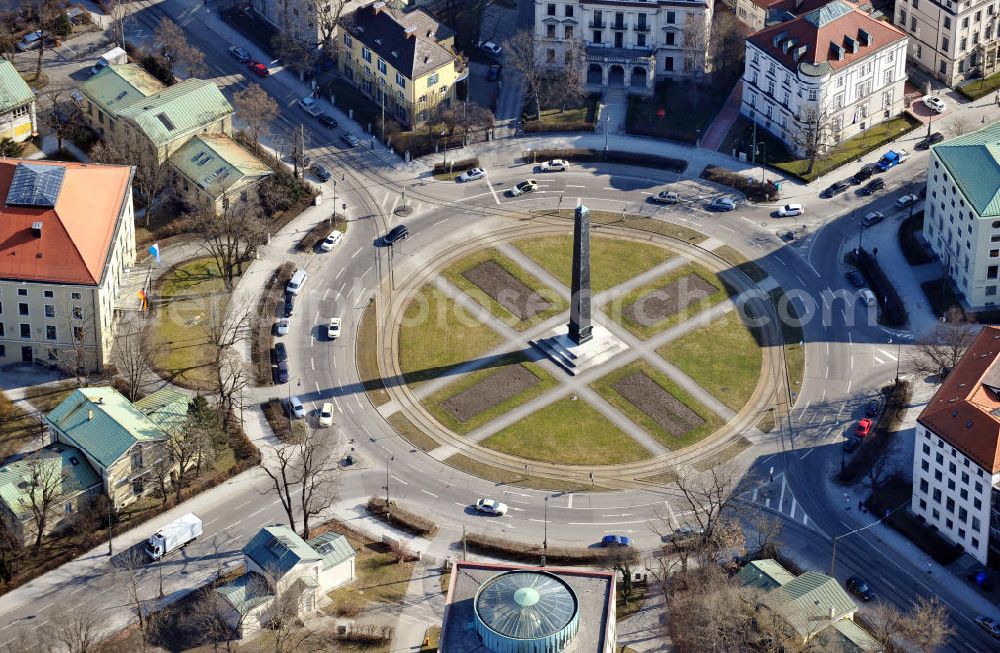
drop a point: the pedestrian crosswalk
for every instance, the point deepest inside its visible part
(776, 495)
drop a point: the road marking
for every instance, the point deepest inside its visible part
(235, 523)
(365, 274)
(326, 294)
(398, 480)
(356, 252)
(258, 512)
(312, 364)
(466, 506)
(891, 356)
(753, 497)
(439, 222)
(611, 523)
(316, 383)
(811, 449)
(46, 606)
(569, 501)
(781, 498)
(622, 514)
(335, 401)
(795, 505)
(540, 521)
(494, 192)
(430, 493)
(245, 503)
(575, 186)
(778, 259)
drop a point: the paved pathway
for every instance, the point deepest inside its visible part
(716, 132)
(614, 106)
(645, 631)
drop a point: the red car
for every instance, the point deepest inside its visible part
(864, 427)
(258, 68)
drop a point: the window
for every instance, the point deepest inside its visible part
(935, 513)
(550, 31)
(949, 504)
(975, 523)
(923, 505)
(965, 23)
(137, 486)
(920, 51)
(432, 80)
(963, 44)
(945, 44)
(915, 3)
(137, 460)
(569, 11)
(598, 37)
(812, 94)
(888, 77)
(550, 55)
(902, 17)
(366, 54)
(77, 313)
(668, 64)
(550, 9)
(568, 31)
(22, 292)
(25, 330)
(979, 488)
(963, 515)
(977, 504)
(923, 485)
(22, 308)
(951, 466)
(78, 333)
(50, 332)
(1, 329)
(939, 458)
(975, 543)
(671, 38)
(936, 495)
(963, 493)
(348, 41)
(382, 67)
(400, 81)
(924, 465)
(913, 24)
(47, 294)
(640, 40)
(937, 475)
(947, 22)
(671, 18)
(951, 484)
(927, 448)
(838, 103)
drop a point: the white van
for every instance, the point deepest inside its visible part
(113, 56)
(298, 280)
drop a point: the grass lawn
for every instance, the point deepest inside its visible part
(437, 334)
(612, 261)
(722, 456)
(409, 431)
(741, 263)
(567, 432)
(625, 610)
(630, 410)
(581, 118)
(433, 635)
(454, 275)
(638, 222)
(380, 577)
(366, 347)
(619, 306)
(184, 297)
(795, 351)
(504, 477)
(689, 107)
(723, 358)
(977, 88)
(17, 427)
(433, 403)
(46, 397)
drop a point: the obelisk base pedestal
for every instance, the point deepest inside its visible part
(578, 358)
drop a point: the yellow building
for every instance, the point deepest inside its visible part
(17, 105)
(404, 59)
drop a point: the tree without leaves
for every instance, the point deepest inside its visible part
(726, 48)
(568, 87)
(11, 554)
(257, 109)
(230, 237)
(710, 498)
(876, 473)
(927, 624)
(175, 47)
(128, 581)
(519, 54)
(126, 147)
(936, 356)
(694, 38)
(814, 134)
(189, 449)
(885, 624)
(62, 115)
(44, 479)
(9, 35)
(208, 617)
(328, 17)
(45, 14)
(161, 472)
(77, 629)
(961, 125)
(134, 360)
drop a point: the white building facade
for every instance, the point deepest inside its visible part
(962, 213)
(952, 41)
(834, 70)
(627, 43)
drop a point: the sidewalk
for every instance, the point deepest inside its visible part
(716, 132)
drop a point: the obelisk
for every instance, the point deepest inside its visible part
(579, 311)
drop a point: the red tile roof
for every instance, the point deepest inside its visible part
(962, 410)
(76, 233)
(816, 33)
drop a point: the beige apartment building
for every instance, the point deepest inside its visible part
(952, 40)
(69, 235)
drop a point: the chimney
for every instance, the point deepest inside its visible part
(90, 415)
(100, 400)
(833, 613)
(36, 229)
(411, 32)
(378, 7)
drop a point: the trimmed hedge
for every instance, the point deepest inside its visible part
(612, 156)
(443, 168)
(400, 517)
(534, 127)
(260, 346)
(510, 550)
(274, 412)
(318, 233)
(754, 190)
(913, 249)
(894, 312)
(897, 397)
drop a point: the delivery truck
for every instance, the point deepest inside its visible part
(173, 536)
(113, 56)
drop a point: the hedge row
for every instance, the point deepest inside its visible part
(897, 398)
(274, 412)
(260, 346)
(492, 545)
(754, 190)
(318, 233)
(400, 517)
(612, 156)
(658, 131)
(894, 312)
(535, 126)
(913, 249)
(444, 168)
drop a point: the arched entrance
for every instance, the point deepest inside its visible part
(616, 76)
(595, 75)
(638, 77)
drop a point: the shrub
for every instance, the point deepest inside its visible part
(894, 312)
(318, 233)
(909, 241)
(492, 545)
(260, 346)
(10, 148)
(535, 126)
(754, 190)
(274, 412)
(897, 398)
(464, 164)
(588, 154)
(400, 517)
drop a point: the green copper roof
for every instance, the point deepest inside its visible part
(120, 85)
(14, 91)
(278, 549)
(849, 637)
(178, 110)
(103, 423)
(973, 160)
(806, 602)
(166, 408)
(217, 163)
(764, 575)
(334, 548)
(57, 461)
(828, 13)
(246, 592)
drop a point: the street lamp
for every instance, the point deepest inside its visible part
(607, 119)
(388, 460)
(763, 160)
(545, 537)
(899, 352)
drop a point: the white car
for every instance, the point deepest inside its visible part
(326, 414)
(790, 210)
(906, 200)
(281, 326)
(555, 165)
(332, 240)
(296, 408)
(333, 329)
(935, 103)
(472, 174)
(491, 48)
(723, 204)
(665, 197)
(311, 106)
(526, 186)
(491, 507)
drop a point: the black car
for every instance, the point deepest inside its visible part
(872, 186)
(281, 372)
(874, 406)
(836, 188)
(851, 444)
(865, 173)
(927, 141)
(857, 586)
(240, 54)
(855, 279)
(289, 304)
(399, 232)
(280, 353)
(327, 120)
(321, 173)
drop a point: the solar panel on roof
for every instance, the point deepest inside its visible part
(35, 185)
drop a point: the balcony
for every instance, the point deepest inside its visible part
(596, 24)
(623, 56)
(641, 27)
(619, 25)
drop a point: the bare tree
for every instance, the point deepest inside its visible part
(45, 14)
(44, 479)
(287, 630)
(767, 528)
(175, 47)
(125, 146)
(188, 449)
(961, 124)
(726, 47)
(885, 622)
(128, 570)
(209, 618)
(257, 109)
(162, 471)
(134, 359)
(9, 35)
(937, 355)
(814, 134)
(621, 560)
(328, 18)
(11, 554)
(876, 473)
(62, 115)
(927, 624)
(694, 36)
(230, 237)
(521, 56)
(306, 465)
(710, 498)
(568, 86)
(77, 629)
